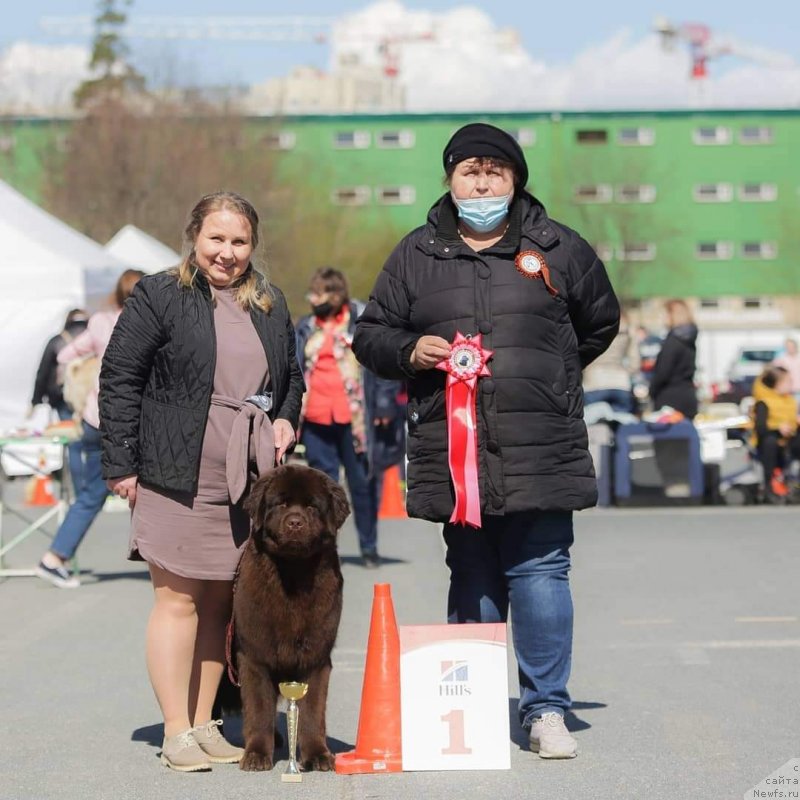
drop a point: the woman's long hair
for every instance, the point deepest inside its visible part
(251, 290)
(678, 313)
(125, 283)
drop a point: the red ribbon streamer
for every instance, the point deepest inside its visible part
(465, 364)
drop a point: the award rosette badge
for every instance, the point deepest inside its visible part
(534, 265)
(465, 364)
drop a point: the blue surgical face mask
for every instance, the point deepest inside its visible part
(483, 214)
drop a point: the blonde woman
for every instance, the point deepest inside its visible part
(200, 372)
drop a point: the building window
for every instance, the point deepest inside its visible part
(596, 193)
(7, 143)
(396, 195)
(632, 193)
(636, 136)
(396, 139)
(758, 192)
(713, 192)
(759, 250)
(526, 137)
(756, 134)
(755, 302)
(282, 140)
(605, 252)
(351, 196)
(714, 251)
(709, 302)
(637, 252)
(594, 136)
(717, 134)
(351, 140)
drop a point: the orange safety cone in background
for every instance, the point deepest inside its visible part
(378, 744)
(392, 503)
(39, 491)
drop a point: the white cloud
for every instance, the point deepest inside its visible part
(459, 60)
(471, 65)
(40, 79)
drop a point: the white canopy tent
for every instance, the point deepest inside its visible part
(134, 246)
(48, 269)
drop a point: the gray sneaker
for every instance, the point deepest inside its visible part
(58, 576)
(214, 744)
(550, 738)
(182, 753)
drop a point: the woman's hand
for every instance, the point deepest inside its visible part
(124, 487)
(429, 351)
(284, 437)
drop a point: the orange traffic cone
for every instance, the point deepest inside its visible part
(378, 745)
(41, 494)
(392, 503)
(39, 491)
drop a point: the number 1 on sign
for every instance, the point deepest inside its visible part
(455, 722)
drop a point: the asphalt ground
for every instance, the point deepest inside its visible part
(685, 670)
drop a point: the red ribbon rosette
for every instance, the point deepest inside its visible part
(534, 265)
(465, 364)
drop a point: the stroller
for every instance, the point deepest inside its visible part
(726, 449)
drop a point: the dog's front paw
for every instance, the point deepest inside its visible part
(323, 762)
(255, 762)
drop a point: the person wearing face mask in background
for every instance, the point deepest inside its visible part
(350, 417)
(489, 260)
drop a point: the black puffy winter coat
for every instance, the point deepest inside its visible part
(531, 436)
(672, 381)
(49, 384)
(157, 378)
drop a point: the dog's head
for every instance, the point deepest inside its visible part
(296, 511)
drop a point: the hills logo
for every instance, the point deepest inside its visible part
(454, 680)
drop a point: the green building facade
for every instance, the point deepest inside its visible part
(700, 204)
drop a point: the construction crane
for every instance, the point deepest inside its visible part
(297, 28)
(389, 49)
(703, 46)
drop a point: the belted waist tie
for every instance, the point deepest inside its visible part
(250, 424)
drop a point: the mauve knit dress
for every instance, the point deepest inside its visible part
(201, 536)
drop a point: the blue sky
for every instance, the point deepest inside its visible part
(551, 31)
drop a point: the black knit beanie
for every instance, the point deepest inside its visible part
(479, 140)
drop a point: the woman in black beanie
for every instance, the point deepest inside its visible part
(534, 300)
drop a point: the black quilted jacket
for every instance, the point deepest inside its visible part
(531, 436)
(157, 377)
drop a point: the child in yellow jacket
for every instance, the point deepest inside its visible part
(776, 432)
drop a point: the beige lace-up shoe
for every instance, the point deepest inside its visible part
(217, 750)
(181, 752)
(550, 738)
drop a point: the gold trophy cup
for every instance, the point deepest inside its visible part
(292, 691)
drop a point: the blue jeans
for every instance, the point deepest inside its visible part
(328, 447)
(75, 453)
(89, 500)
(522, 561)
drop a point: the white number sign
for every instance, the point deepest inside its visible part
(454, 697)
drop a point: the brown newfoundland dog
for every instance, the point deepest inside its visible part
(286, 608)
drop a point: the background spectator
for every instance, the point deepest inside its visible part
(351, 418)
(672, 381)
